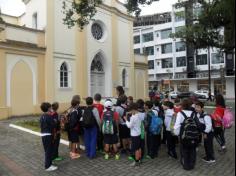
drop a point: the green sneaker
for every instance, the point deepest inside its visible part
(58, 159)
(148, 157)
(106, 157)
(117, 157)
(130, 158)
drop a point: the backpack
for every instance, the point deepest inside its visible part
(228, 119)
(156, 124)
(201, 126)
(89, 120)
(189, 132)
(108, 123)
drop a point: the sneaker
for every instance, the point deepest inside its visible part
(106, 157)
(208, 160)
(51, 168)
(148, 157)
(130, 158)
(58, 159)
(117, 157)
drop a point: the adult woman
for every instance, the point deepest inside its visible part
(120, 91)
(217, 116)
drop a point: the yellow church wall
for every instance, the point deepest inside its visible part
(21, 90)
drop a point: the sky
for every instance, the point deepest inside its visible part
(16, 7)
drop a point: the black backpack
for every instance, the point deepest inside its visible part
(89, 120)
(189, 132)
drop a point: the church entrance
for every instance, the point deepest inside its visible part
(97, 76)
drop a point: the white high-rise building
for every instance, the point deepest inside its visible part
(167, 57)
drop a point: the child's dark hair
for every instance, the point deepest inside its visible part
(149, 104)
(177, 101)
(140, 103)
(122, 99)
(199, 103)
(186, 104)
(55, 106)
(156, 102)
(133, 106)
(130, 98)
(76, 98)
(97, 97)
(74, 102)
(89, 100)
(169, 104)
(45, 106)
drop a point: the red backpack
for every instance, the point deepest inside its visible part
(228, 118)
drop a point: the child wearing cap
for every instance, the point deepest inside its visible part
(110, 122)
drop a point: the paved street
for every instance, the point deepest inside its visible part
(21, 154)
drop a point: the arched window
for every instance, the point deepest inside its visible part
(64, 75)
(124, 75)
(96, 65)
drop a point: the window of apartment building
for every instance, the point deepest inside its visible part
(137, 51)
(35, 21)
(181, 61)
(167, 63)
(217, 58)
(180, 46)
(179, 28)
(148, 50)
(202, 59)
(166, 48)
(136, 39)
(202, 85)
(197, 10)
(148, 37)
(179, 16)
(151, 64)
(166, 33)
(183, 86)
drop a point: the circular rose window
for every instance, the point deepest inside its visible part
(97, 31)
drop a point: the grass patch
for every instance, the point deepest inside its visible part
(34, 125)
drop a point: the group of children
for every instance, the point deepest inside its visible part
(129, 128)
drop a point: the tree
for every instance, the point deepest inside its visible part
(80, 12)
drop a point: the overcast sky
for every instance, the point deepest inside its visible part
(16, 7)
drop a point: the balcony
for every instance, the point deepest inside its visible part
(21, 36)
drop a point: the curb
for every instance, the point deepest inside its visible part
(62, 141)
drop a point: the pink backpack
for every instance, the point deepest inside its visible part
(228, 118)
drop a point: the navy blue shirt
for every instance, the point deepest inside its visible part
(47, 124)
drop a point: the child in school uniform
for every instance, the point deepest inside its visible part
(110, 126)
(169, 114)
(208, 134)
(135, 131)
(97, 104)
(57, 132)
(47, 125)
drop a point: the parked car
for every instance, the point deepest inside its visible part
(190, 95)
(204, 93)
(173, 95)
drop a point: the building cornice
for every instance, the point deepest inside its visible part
(21, 45)
(22, 27)
(116, 11)
(26, 1)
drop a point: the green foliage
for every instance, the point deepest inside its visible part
(134, 5)
(79, 12)
(205, 30)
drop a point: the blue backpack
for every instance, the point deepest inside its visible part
(156, 124)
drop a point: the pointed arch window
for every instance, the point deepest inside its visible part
(64, 75)
(97, 65)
